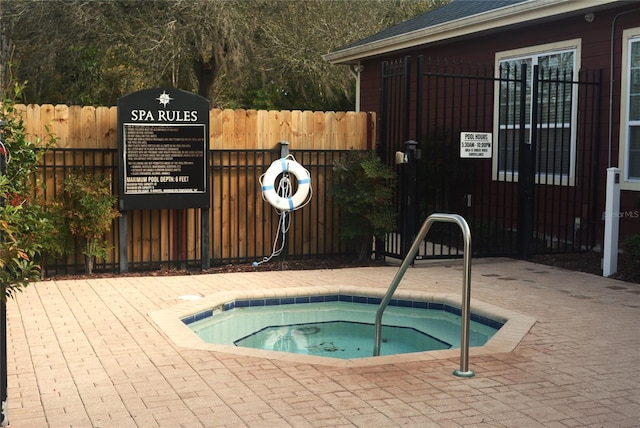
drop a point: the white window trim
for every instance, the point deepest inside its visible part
(564, 180)
(628, 35)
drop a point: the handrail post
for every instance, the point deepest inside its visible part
(466, 303)
(466, 287)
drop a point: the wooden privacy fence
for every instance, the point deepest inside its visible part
(243, 144)
(96, 128)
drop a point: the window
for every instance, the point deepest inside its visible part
(630, 111)
(556, 111)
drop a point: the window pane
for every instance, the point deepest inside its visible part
(558, 62)
(508, 150)
(556, 71)
(554, 116)
(634, 107)
(634, 61)
(634, 153)
(555, 99)
(554, 150)
(634, 82)
(633, 146)
(510, 91)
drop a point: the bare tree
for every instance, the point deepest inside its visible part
(237, 53)
(291, 48)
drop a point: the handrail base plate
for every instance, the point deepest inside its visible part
(460, 373)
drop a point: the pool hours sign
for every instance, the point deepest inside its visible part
(475, 145)
(163, 148)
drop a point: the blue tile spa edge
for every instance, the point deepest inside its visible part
(245, 303)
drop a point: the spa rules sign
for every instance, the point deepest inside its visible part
(163, 148)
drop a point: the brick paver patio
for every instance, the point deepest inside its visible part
(87, 353)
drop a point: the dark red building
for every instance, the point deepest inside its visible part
(555, 84)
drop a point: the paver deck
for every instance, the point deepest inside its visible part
(87, 353)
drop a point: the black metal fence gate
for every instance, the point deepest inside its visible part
(535, 193)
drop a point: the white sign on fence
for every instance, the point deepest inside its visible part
(475, 145)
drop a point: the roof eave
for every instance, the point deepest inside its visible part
(502, 17)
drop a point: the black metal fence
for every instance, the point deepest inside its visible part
(536, 193)
(243, 227)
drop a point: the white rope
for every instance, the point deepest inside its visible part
(285, 191)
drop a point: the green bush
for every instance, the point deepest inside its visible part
(90, 210)
(57, 241)
(23, 223)
(363, 190)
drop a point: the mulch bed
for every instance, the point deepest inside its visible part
(273, 265)
(588, 262)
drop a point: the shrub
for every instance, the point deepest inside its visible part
(90, 210)
(363, 190)
(57, 241)
(23, 223)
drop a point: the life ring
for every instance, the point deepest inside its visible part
(269, 192)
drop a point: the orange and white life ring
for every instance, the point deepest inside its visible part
(269, 192)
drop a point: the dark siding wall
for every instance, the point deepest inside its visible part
(370, 87)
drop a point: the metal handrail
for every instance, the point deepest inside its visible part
(466, 286)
